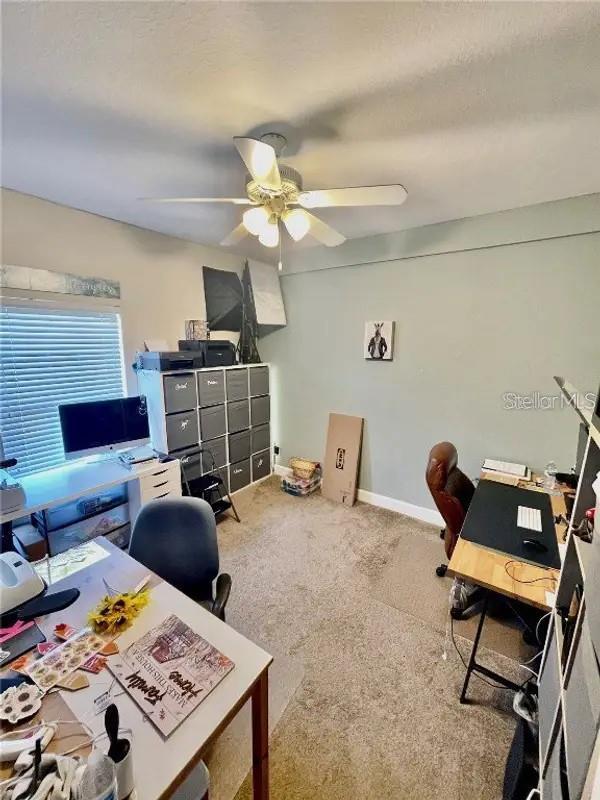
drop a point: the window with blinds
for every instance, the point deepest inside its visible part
(49, 357)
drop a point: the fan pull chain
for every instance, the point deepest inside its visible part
(280, 262)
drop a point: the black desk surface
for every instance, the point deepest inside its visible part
(491, 521)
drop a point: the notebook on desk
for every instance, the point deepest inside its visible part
(494, 521)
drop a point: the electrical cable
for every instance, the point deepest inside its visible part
(537, 628)
(550, 578)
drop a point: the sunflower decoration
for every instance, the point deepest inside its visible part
(116, 612)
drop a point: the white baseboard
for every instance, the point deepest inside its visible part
(390, 503)
(402, 507)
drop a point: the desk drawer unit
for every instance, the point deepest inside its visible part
(211, 388)
(239, 446)
(180, 392)
(165, 479)
(237, 384)
(261, 438)
(182, 430)
(261, 410)
(215, 449)
(238, 416)
(239, 475)
(162, 481)
(261, 465)
(259, 381)
(212, 422)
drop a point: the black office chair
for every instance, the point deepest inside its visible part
(177, 539)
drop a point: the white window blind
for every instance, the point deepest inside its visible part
(49, 357)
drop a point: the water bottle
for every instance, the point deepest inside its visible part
(550, 476)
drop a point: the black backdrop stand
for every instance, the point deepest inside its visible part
(247, 348)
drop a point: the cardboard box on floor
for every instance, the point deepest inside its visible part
(342, 458)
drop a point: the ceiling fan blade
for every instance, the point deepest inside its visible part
(261, 160)
(324, 232)
(236, 201)
(236, 235)
(392, 195)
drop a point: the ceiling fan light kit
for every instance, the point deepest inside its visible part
(297, 223)
(275, 191)
(255, 219)
(269, 236)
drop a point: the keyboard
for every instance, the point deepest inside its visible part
(530, 518)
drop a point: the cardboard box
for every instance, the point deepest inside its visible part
(342, 458)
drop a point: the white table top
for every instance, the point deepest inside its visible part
(158, 762)
(70, 481)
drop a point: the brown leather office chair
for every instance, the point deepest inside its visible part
(452, 492)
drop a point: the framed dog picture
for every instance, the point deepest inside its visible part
(379, 341)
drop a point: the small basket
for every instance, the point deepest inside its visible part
(303, 468)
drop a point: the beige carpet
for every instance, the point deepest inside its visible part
(408, 583)
(375, 714)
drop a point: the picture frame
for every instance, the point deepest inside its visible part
(379, 341)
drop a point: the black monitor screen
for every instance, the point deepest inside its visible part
(103, 423)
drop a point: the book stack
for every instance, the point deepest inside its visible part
(301, 486)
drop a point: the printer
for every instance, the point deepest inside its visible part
(215, 352)
(162, 361)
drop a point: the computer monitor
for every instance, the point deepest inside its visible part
(103, 426)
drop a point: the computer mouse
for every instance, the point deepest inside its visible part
(535, 544)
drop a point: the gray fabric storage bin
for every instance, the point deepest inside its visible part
(581, 710)
(551, 785)
(191, 463)
(182, 430)
(237, 384)
(238, 415)
(239, 446)
(212, 422)
(261, 438)
(261, 410)
(216, 447)
(549, 694)
(259, 381)
(211, 388)
(180, 392)
(239, 475)
(261, 465)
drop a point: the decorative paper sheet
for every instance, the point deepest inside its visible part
(169, 671)
(65, 659)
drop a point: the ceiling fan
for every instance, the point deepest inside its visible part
(275, 194)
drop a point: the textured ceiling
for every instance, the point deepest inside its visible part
(473, 107)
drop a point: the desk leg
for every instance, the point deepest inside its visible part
(473, 666)
(260, 738)
(472, 663)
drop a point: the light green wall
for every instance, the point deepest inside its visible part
(470, 326)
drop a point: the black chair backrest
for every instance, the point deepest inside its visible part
(177, 539)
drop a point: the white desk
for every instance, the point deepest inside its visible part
(160, 764)
(66, 483)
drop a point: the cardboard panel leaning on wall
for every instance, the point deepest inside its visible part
(342, 458)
